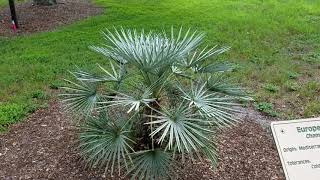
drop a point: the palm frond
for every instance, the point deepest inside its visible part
(211, 153)
(104, 50)
(214, 68)
(221, 84)
(219, 109)
(116, 75)
(186, 42)
(197, 58)
(182, 128)
(168, 118)
(180, 72)
(151, 165)
(106, 142)
(80, 97)
(148, 51)
(133, 101)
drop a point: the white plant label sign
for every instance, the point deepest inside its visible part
(298, 144)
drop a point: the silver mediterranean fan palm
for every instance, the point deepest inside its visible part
(160, 96)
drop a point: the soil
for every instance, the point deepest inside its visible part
(44, 146)
(34, 18)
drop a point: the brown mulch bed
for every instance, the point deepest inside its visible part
(33, 18)
(246, 152)
(44, 147)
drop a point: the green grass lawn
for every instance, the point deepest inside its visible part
(3, 2)
(275, 45)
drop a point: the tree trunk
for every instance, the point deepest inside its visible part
(45, 2)
(13, 12)
(144, 139)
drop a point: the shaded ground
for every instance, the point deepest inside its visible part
(44, 147)
(44, 18)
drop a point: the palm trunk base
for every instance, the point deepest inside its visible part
(144, 131)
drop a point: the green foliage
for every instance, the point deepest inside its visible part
(151, 164)
(266, 108)
(292, 86)
(10, 113)
(292, 75)
(5, 2)
(181, 129)
(219, 84)
(310, 89)
(39, 95)
(106, 142)
(271, 88)
(32, 108)
(55, 84)
(175, 106)
(311, 109)
(80, 97)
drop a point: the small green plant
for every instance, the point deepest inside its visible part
(31, 108)
(271, 88)
(292, 86)
(311, 109)
(292, 75)
(10, 113)
(310, 89)
(55, 84)
(175, 106)
(39, 95)
(266, 108)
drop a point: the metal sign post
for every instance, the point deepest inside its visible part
(13, 12)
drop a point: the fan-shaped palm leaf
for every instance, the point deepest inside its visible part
(146, 95)
(80, 97)
(106, 142)
(198, 58)
(121, 99)
(151, 164)
(221, 84)
(211, 105)
(113, 76)
(148, 51)
(182, 128)
(210, 153)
